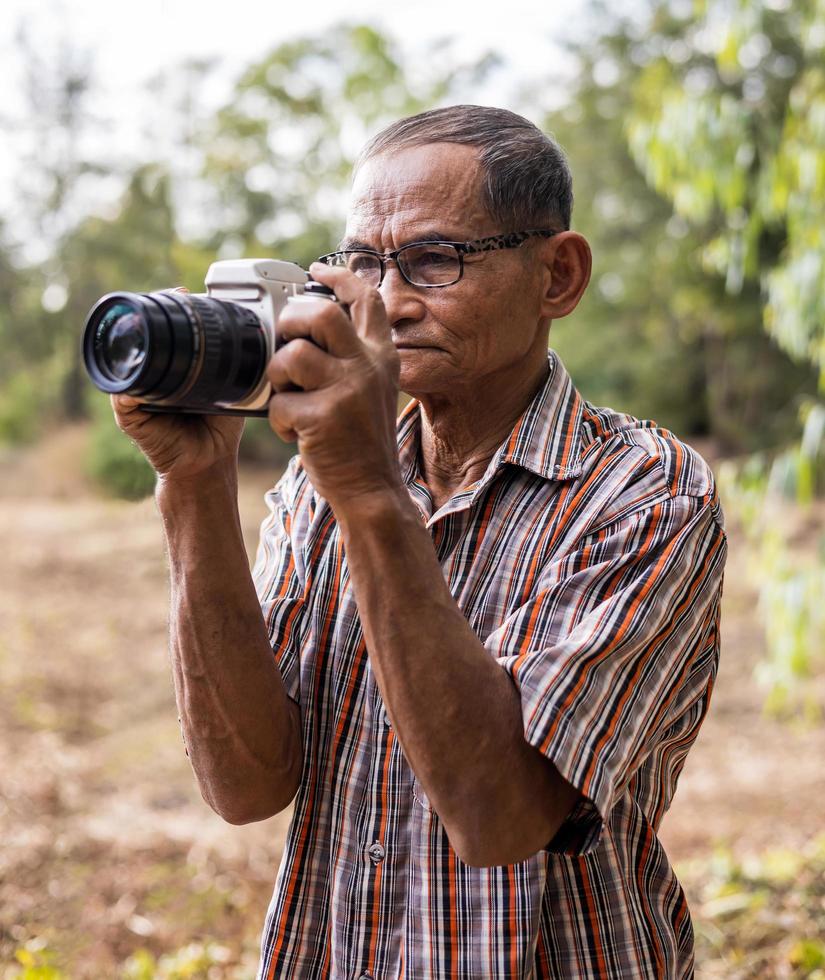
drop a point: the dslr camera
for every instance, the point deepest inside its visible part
(200, 353)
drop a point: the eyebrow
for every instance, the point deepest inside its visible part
(427, 236)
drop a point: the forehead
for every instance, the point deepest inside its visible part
(409, 192)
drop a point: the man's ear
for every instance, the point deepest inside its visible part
(568, 262)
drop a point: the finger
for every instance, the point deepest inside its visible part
(284, 411)
(285, 435)
(129, 413)
(125, 404)
(324, 323)
(302, 363)
(366, 308)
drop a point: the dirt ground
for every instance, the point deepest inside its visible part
(107, 847)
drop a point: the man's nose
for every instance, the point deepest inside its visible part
(401, 300)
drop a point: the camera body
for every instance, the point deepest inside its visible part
(198, 353)
(264, 286)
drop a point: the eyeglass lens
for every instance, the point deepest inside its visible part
(423, 265)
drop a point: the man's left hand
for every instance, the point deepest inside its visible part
(347, 367)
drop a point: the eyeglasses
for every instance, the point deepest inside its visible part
(427, 264)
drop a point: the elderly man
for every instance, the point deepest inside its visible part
(495, 623)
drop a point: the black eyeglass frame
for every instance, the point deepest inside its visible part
(491, 243)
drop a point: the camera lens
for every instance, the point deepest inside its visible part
(187, 352)
(123, 341)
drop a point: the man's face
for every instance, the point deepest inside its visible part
(454, 337)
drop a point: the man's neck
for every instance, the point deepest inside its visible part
(461, 433)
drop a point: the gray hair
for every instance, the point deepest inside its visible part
(527, 180)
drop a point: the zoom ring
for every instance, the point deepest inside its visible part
(212, 375)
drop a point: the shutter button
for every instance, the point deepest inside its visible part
(376, 852)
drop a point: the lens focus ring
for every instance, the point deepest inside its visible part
(208, 371)
(234, 352)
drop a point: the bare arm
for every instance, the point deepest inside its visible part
(242, 731)
(456, 712)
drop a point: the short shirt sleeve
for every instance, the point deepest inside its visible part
(279, 577)
(614, 654)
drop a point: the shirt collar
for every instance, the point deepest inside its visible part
(546, 440)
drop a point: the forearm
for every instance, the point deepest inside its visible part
(241, 730)
(455, 711)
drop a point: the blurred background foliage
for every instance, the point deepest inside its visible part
(696, 135)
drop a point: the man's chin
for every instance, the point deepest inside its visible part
(419, 382)
(411, 377)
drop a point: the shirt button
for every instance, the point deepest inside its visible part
(376, 852)
(386, 718)
(366, 976)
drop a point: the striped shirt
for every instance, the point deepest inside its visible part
(588, 560)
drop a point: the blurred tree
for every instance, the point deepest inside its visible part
(21, 345)
(132, 250)
(728, 121)
(280, 153)
(656, 335)
(52, 136)
(18, 345)
(53, 179)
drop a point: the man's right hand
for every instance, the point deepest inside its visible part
(178, 445)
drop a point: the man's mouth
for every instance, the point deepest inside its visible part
(409, 344)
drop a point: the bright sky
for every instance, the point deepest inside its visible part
(133, 40)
